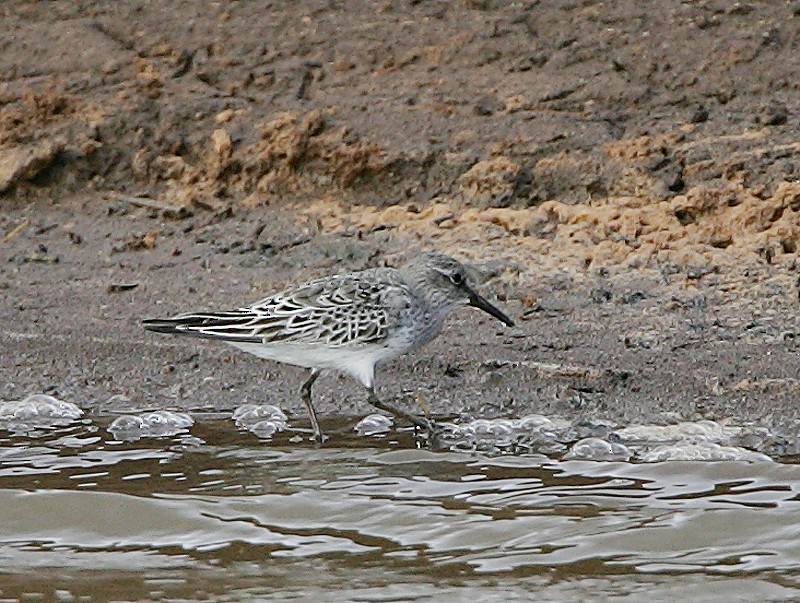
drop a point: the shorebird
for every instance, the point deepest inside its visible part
(349, 322)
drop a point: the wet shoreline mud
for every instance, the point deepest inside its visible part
(630, 199)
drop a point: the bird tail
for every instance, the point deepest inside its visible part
(230, 326)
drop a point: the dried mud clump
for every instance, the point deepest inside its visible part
(491, 183)
(295, 153)
(36, 128)
(296, 147)
(25, 162)
(137, 242)
(24, 120)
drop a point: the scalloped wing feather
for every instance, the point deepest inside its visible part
(336, 311)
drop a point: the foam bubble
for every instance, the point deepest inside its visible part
(373, 425)
(264, 420)
(249, 414)
(590, 427)
(701, 430)
(533, 433)
(37, 411)
(702, 451)
(486, 428)
(597, 449)
(266, 429)
(156, 424)
(532, 423)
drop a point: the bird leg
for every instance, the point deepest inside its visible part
(305, 392)
(420, 422)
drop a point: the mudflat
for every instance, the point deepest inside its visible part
(624, 177)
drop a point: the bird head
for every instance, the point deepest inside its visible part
(446, 283)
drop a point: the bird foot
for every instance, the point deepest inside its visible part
(429, 425)
(319, 437)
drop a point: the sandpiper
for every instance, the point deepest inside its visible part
(348, 322)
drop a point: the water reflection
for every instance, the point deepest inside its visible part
(222, 515)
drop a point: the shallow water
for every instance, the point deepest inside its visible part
(221, 515)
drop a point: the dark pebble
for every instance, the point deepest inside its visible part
(699, 116)
(485, 106)
(634, 297)
(601, 295)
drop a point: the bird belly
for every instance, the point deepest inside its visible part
(357, 361)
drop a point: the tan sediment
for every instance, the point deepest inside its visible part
(704, 225)
(296, 153)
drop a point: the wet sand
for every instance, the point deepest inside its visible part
(625, 177)
(627, 348)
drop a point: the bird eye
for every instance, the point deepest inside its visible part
(457, 278)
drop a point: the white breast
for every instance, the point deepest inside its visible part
(359, 362)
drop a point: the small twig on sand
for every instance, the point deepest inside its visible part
(117, 287)
(17, 230)
(423, 405)
(148, 203)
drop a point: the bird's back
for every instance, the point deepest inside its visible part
(368, 308)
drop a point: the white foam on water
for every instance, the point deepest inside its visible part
(702, 451)
(37, 411)
(263, 420)
(532, 433)
(161, 423)
(706, 430)
(266, 429)
(584, 438)
(599, 440)
(373, 424)
(597, 449)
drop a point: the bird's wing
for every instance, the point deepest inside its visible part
(334, 311)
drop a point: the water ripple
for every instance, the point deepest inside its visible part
(240, 519)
